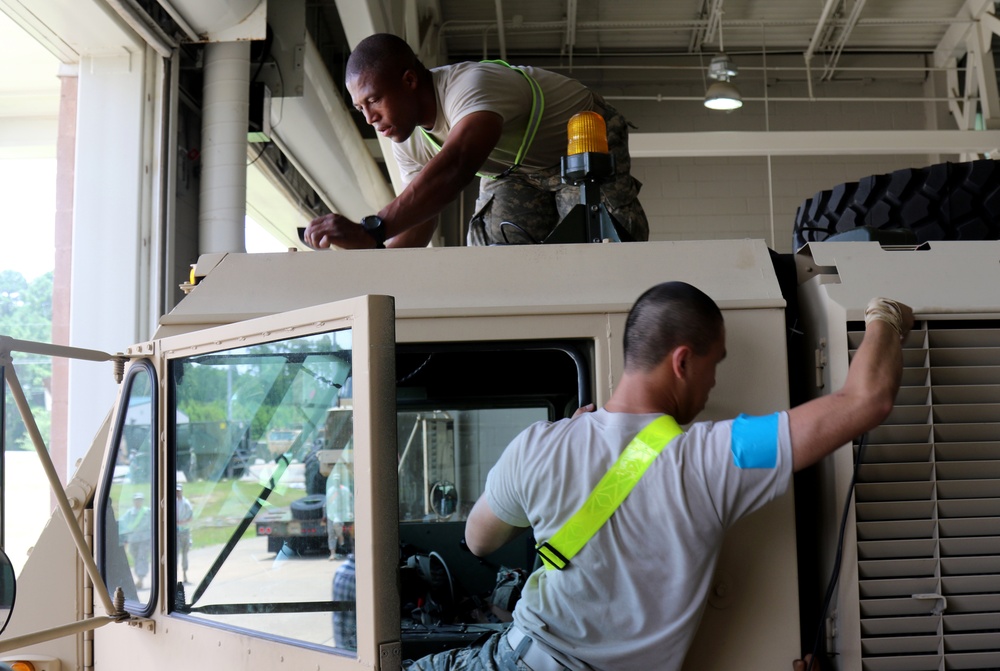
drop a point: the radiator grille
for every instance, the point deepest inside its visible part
(927, 508)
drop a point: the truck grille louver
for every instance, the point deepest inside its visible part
(928, 507)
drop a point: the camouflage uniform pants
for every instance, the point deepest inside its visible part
(493, 654)
(524, 207)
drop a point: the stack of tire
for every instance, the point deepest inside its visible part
(947, 201)
(309, 508)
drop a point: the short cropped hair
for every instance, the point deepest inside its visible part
(384, 53)
(665, 317)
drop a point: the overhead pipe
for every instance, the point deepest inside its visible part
(451, 27)
(794, 99)
(225, 110)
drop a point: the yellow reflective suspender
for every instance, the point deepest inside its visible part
(534, 121)
(609, 493)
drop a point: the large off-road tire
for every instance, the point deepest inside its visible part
(310, 507)
(947, 201)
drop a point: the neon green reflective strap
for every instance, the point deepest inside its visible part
(609, 493)
(534, 121)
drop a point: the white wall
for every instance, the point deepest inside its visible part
(110, 250)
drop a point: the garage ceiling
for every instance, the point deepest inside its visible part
(637, 47)
(589, 27)
(821, 30)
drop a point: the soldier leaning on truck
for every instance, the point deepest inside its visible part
(629, 593)
(449, 124)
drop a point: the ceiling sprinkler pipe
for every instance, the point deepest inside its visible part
(225, 112)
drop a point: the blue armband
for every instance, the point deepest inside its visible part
(755, 441)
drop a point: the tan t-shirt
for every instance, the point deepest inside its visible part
(464, 88)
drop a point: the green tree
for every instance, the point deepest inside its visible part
(26, 314)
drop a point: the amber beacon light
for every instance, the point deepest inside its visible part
(587, 164)
(587, 156)
(587, 133)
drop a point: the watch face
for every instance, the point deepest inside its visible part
(373, 226)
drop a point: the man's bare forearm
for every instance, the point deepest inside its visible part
(822, 425)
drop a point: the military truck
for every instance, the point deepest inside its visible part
(300, 528)
(447, 353)
(482, 342)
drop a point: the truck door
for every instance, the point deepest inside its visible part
(190, 452)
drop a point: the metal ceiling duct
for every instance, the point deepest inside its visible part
(317, 134)
(213, 18)
(223, 150)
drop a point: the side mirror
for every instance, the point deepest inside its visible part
(444, 499)
(8, 588)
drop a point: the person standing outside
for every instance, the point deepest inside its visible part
(185, 513)
(650, 564)
(339, 512)
(345, 618)
(448, 124)
(137, 534)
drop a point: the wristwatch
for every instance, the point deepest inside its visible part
(375, 227)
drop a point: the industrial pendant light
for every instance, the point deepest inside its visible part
(722, 94)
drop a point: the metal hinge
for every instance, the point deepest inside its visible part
(389, 657)
(821, 361)
(143, 623)
(831, 631)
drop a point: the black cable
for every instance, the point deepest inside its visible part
(416, 370)
(835, 573)
(520, 229)
(260, 153)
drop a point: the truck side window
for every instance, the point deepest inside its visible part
(254, 525)
(458, 406)
(129, 545)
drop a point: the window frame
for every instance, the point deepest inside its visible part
(372, 321)
(114, 445)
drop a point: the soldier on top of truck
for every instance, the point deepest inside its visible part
(485, 126)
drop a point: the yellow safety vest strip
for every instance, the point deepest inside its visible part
(534, 121)
(609, 493)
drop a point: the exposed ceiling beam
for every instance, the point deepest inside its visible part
(989, 96)
(845, 34)
(952, 45)
(570, 29)
(821, 27)
(704, 28)
(963, 109)
(811, 143)
(501, 35)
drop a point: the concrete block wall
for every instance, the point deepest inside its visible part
(743, 197)
(752, 196)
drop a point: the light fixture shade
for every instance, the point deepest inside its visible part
(723, 95)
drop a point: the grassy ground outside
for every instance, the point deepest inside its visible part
(219, 506)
